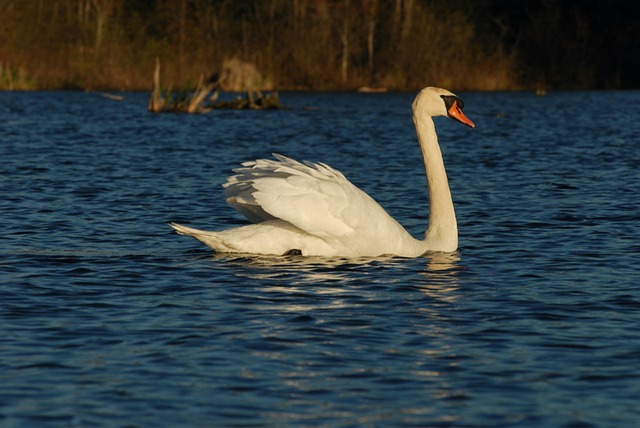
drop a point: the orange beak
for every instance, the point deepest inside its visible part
(456, 113)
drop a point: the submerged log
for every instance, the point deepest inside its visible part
(166, 101)
(253, 101)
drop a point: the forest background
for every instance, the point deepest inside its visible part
(322, 44)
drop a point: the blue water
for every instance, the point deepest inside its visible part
(110, 319)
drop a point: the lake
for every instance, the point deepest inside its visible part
(108, 318)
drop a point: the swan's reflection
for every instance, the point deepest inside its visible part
(304, 270)
(333, 274)
(382, 294)
(449, 262)
(299, 261)
(302, 284)
(440, 279)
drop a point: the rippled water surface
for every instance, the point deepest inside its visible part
(110, 319)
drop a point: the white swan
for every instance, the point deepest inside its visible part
(313, 210)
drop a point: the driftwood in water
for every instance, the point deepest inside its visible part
(167, 101)
(156, 101)
(202, 91)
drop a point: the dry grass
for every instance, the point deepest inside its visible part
(49, 45)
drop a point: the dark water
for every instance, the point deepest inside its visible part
(109, 319)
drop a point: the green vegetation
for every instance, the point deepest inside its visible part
(321, 44)
(12, 78)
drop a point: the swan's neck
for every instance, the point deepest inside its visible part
(442, 232)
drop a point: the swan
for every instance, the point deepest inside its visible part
(311, 209)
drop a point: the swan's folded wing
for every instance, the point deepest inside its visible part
(313, 197)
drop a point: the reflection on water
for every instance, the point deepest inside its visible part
(440, 269)
(440, 278)
(298, 261)
(444, 263)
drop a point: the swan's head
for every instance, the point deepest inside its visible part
(440, 102)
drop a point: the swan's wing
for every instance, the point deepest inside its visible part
(311, 196)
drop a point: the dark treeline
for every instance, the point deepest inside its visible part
(323, 44)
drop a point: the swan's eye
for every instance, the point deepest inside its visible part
(450, 99)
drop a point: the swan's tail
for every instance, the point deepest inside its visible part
(210, 239)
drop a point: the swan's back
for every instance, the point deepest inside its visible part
(315, 198)
(262, 180)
